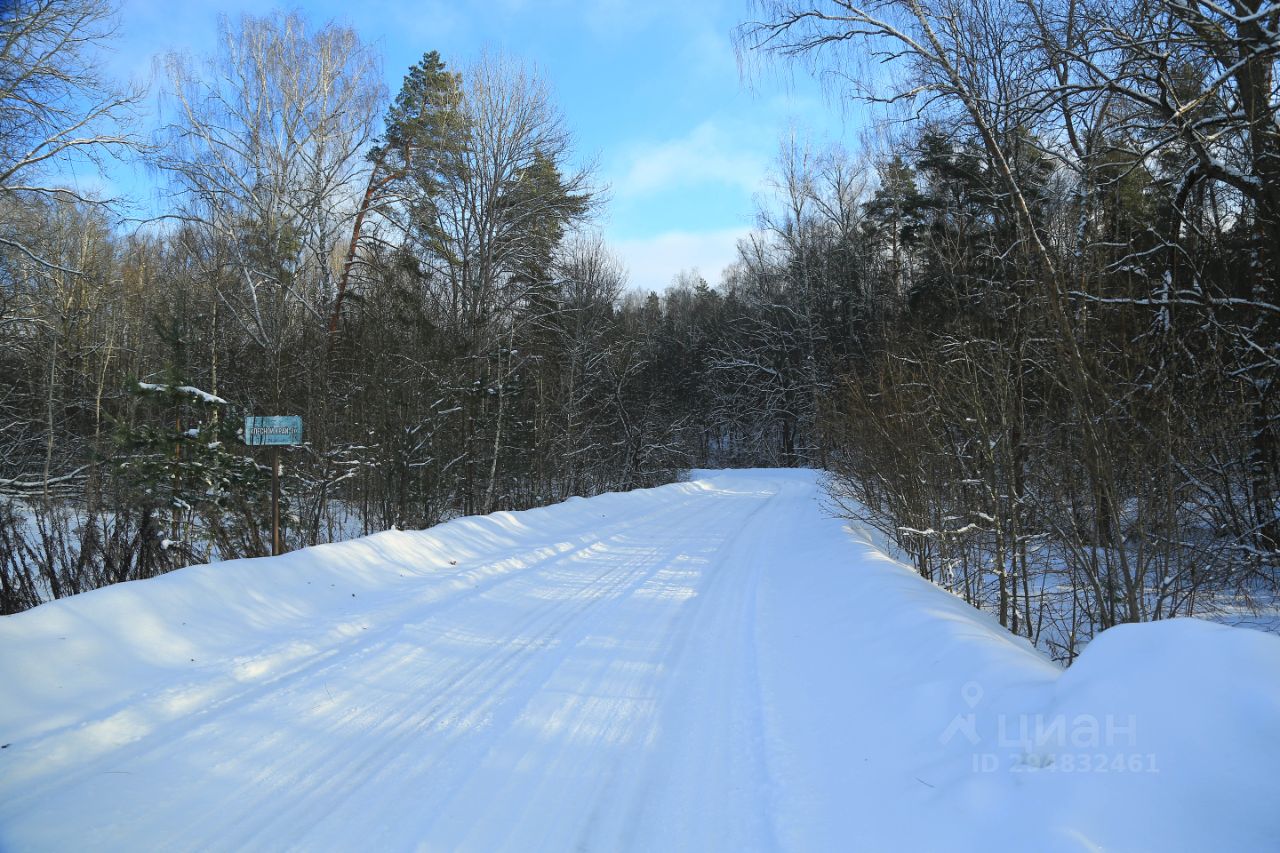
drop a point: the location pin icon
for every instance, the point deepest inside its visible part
(971, 693)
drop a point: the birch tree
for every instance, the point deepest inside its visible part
(264, 147)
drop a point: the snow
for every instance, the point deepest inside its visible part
(189, 390)
(710, 665)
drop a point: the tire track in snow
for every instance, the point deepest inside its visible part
(542, 702)
(468, 696)
(485, 687)
(624, 784)
(165, 713)
(723, 688)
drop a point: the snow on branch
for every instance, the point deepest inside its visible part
(185, 390)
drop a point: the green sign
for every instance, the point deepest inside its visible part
(276, 430)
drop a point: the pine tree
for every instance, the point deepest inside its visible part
(177, 462)
(416, 156)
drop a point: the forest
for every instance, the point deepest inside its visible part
(1030, 328)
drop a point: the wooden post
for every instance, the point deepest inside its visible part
(275, 501)
(274, 431)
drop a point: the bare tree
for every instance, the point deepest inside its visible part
(56, 108)
(590, 281)
(263, 147)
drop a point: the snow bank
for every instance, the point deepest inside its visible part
(68, 660)
(936, 729)
(1167, 738)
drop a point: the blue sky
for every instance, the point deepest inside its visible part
(651, 91)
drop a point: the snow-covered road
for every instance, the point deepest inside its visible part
(713, 665)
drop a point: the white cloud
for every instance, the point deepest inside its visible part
(709, 153)
(654, 261)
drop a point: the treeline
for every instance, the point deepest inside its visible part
(1064, 290)
(1034, 337)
